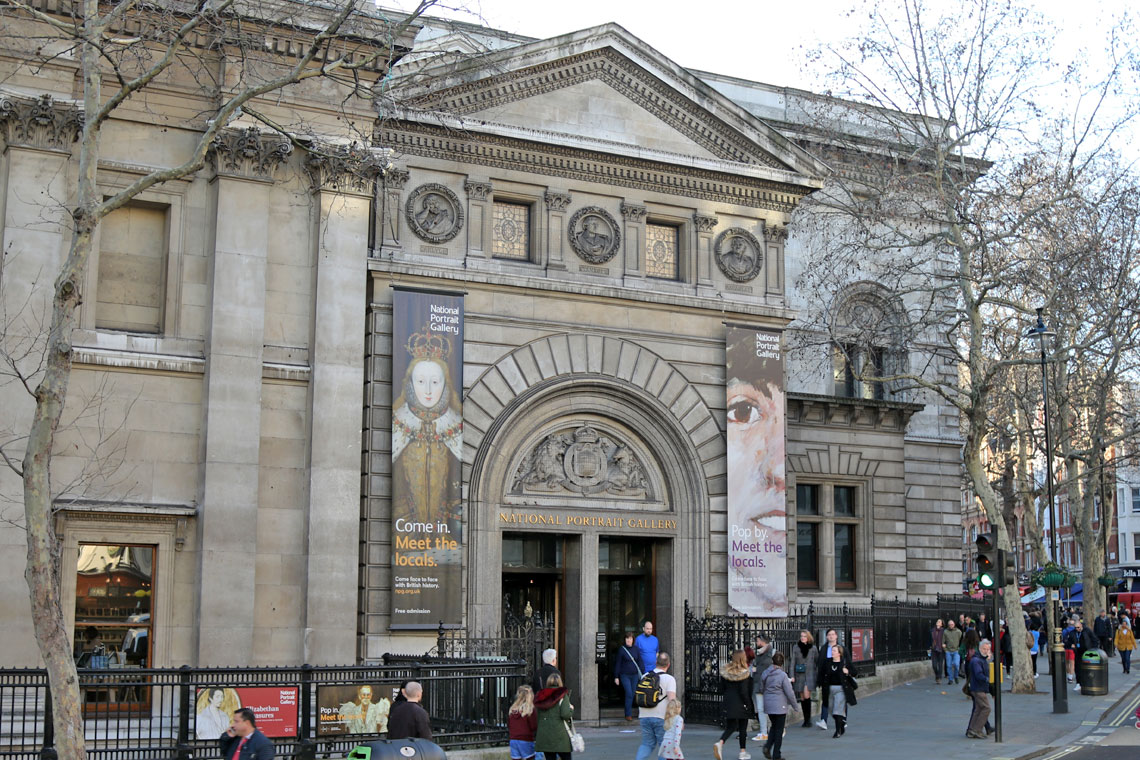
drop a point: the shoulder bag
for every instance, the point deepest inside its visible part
(577, 742)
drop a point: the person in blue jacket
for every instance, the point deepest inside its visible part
(647, 646)
(978, 671)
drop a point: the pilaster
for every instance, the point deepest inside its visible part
(553, 244)
(634, 215)
(388, 205)
(775, 238)
(703, 226)
(478, 219)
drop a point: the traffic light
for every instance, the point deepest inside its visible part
(1008, 567)
(986, 544)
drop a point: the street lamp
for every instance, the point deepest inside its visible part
(1040, 332)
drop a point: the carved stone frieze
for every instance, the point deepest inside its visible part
(395, 179)
(594, 234)
(569, 163)
(705, 223)
(40, 122)
(557, 201)
(583, 462)
(248, 153)
(434, 213)
(345, 168)
(477, 191)
(633, 212)
(738, 254)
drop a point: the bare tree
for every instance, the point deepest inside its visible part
(939, 141)
(244, 56)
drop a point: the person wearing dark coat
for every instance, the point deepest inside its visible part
(243, 741)
(549, 668)
(627, 672)
(830, 641)
(1005, 646)
(554, 710)
(977, 671)
(985, 627)
(805, 664)
(408, 719)
(736, 686)
(833, 675)
(1102, 629)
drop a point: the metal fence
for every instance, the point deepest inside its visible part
(884, 632)
(148, 714)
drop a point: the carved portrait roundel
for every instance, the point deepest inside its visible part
(594, 235)
(738, 254)
(434, 213)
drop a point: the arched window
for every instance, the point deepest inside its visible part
(867, 346)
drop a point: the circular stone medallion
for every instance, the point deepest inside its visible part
(738, 254)
(594, 234)
(434, 213)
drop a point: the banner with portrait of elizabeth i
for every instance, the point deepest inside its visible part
(757, 503)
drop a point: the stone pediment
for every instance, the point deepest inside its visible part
(582, 462)
(603, 89)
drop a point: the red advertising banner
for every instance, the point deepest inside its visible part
(862, 644)
(274, 706)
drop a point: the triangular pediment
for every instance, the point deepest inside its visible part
(603, 89)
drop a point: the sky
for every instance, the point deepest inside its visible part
(759, 40)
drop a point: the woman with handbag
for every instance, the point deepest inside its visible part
(554, 714)
(627, 672)
(736, 686)
(833, 678)
(805, 656)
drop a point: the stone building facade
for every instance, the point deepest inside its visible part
(604, 213)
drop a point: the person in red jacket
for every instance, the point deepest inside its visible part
(522, 723)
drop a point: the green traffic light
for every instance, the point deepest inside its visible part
(986, 580)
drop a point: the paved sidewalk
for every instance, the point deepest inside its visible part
(922, 720)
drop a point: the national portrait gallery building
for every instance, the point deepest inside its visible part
(549, 353)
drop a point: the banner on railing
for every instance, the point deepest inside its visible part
(360, 709)
(757, 511)
(274, 706)
(427, 451)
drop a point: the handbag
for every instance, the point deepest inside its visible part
(966, 688)
(800, 668)
(577, 742)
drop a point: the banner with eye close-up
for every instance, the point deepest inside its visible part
(757, 504)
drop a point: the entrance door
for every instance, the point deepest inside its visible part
(625, 599)
(533, 593)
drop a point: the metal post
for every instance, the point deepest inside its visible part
(185, 706)
(48, 751)
(996, 615)
(1056, 649)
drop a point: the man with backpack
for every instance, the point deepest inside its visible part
(652, 696)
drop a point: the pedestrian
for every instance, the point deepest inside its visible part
(778, 700)
(627, 672)
(985, 628)
(1069, 640)
(242, 741)
(674, 726)
(826, 651)
(548, 668)
(1125, 642)
(653, 718)
(736, 684)
(760, 659)
(552, 735)
(978, 671)
(833, 677)
(408, 719)
(1102, 629)
(522, 724)
(1005, 647)
(951, 640)
(805, 662)
(936, 651)
(647, 647)
(1033, 642)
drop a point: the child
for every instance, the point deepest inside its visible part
(674, 725)
(522, 722)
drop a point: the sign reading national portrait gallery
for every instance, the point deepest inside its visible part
(427, 449)
(757, 511)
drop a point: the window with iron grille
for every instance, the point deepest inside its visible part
(661, 242)
(510, 230)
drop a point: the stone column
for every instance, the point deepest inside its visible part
(704, 226)
(634, 216)
(478, 219)
(388, 206)
(553, 236)
(342, 182)
(245, 162)
(774, 239)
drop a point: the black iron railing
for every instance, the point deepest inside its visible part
(883, 632)
(148, 714)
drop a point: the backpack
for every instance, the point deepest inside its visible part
(648, 691)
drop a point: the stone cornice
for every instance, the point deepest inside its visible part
(616, 71)
(39, 122)
(345, 168)
(249, 154)
(410, 138)
(861, 413)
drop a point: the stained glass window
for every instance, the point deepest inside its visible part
(510, 236)
(661, 251)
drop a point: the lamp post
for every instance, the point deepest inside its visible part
(1040, 332)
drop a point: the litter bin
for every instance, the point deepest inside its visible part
(398, 749)
(1092, 673)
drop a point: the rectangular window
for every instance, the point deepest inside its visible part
(510, 230)
(807, 500)
(113, 605)
(807, 555)
(661, 243)
(843, 376)
(854, 370)
(1136, 547)
(1136, 499)
(845, 501)
(844, 556)
(131, 284)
